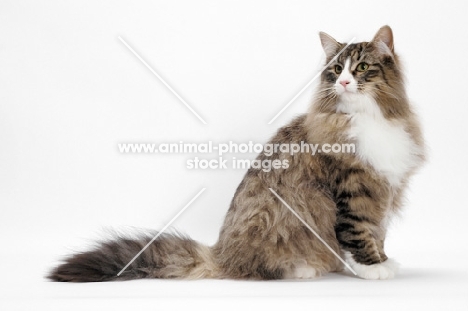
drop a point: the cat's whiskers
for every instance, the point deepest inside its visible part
(326, 91)
(326, 101)
(389, 93)
(377, 90)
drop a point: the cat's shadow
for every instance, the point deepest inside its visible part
(407, 274)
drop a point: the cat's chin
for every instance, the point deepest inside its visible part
(350, 96)
(350, 103)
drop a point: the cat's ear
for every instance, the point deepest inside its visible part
(330, 45)
(384, 40)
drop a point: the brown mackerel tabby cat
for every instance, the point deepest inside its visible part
(347, 198)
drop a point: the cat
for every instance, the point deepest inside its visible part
(347, 198)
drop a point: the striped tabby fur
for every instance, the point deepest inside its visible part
(347, 198)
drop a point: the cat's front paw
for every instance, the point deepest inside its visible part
(381, 271)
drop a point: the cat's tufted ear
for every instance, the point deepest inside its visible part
(384, 40)
(330, 45)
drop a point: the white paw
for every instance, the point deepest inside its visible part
(302, 271)
(381, 271)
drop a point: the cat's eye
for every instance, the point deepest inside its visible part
(362, 67)
(338, 69)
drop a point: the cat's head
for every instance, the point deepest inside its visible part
(369, 68)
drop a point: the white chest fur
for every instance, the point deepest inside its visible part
(379, 142)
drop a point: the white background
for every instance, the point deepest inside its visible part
(70, 91)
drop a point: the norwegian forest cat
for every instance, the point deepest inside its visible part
(347, 198)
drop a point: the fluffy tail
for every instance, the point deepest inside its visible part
(169, 256)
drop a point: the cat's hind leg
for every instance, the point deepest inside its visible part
(301, 271)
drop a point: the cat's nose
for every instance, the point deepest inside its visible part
(344, 83)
